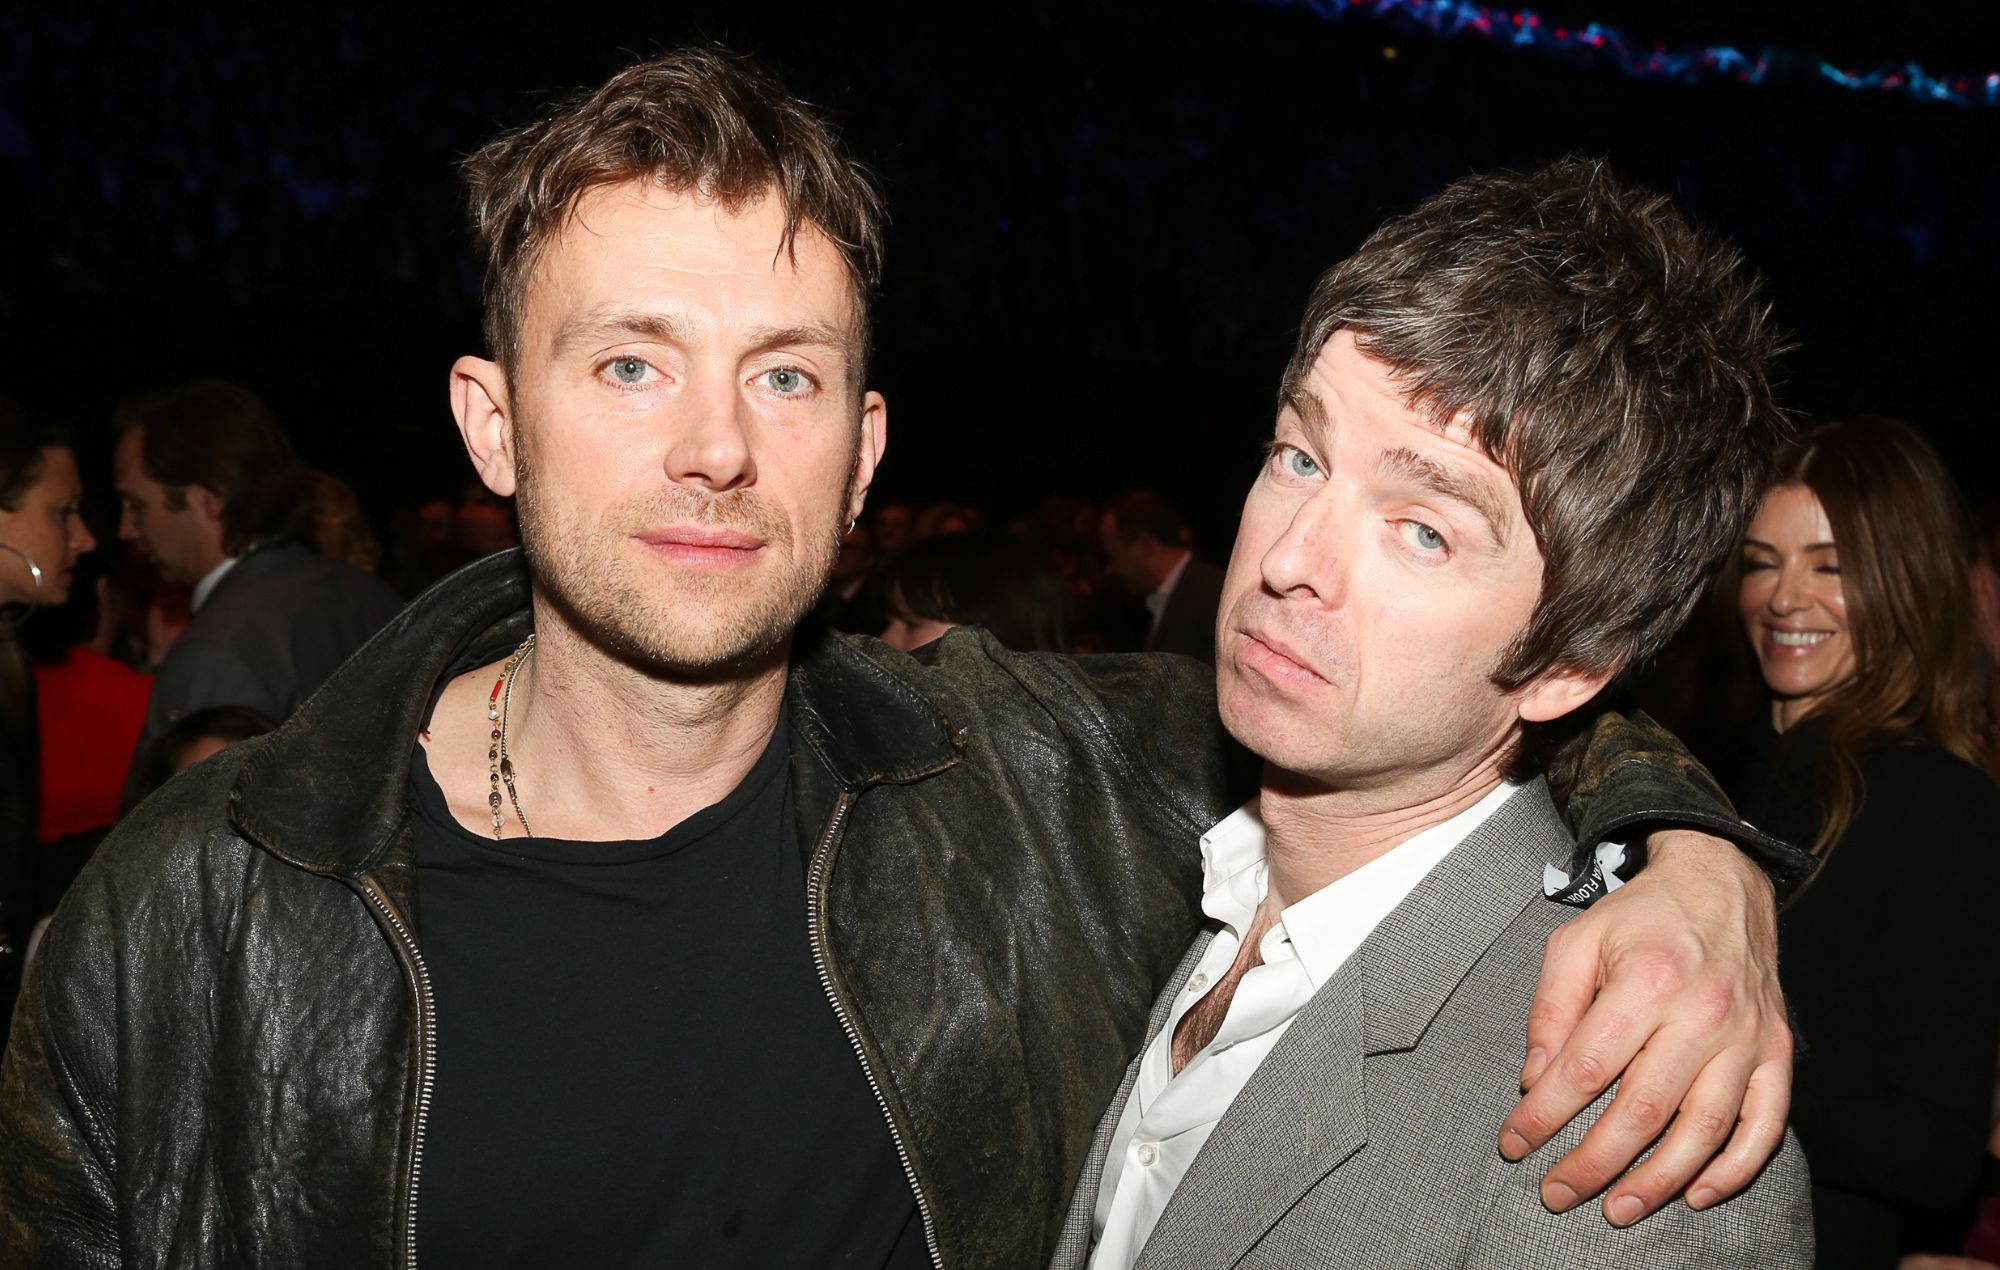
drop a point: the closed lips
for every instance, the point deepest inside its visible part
(702, 536)
(1284, 650)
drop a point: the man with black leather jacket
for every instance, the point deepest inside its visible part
(596, 913)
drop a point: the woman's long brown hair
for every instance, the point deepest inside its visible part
(1905, 544)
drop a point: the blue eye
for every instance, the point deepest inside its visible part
(1296, 462)
(1422, 536)
(786, 381)
(628, 370)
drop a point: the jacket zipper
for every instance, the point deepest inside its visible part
(427, 1057)
(816, 886)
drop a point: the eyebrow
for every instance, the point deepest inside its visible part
(1440, 480)
(1811, 546)
(611, 325)
(826, 335)
(1305, 403)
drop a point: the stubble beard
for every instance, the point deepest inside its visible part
(1430, 730)
(701, 626)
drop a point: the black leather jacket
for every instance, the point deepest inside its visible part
(224, 1054)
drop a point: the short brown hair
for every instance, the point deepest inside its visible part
(695, 119)
(1610, 356)
(1149, 513)
(222, 437)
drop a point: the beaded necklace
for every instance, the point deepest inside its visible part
(502, 767)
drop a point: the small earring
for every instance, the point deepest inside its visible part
(852, 521)
(34, 571)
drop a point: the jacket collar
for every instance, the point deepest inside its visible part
(866, 724)
(1308, 1106)
(326, 791)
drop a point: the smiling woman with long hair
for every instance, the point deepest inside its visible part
(1852, 588)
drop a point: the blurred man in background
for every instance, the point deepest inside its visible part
(1147, 547)
(214, 495)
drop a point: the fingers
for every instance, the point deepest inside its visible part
(1569, 981)
(1600, 1046)
(1722, 1108)
(1650, 1092)
(1759, 1132)
(1705, 1121)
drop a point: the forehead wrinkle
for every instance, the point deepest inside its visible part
(1462, 488)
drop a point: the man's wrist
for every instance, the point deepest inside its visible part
(1635, 781)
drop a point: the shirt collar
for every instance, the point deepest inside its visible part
(206, 587)
(1232, 867)
(1327, 926)
(1156, 603)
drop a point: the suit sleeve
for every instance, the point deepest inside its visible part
(57, 1150)
(1769, 1226)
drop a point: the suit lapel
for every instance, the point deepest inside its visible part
(1083, 1204)
(1423, 950)
(1285, 1132)
(1278, 1137)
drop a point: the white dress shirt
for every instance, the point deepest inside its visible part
(206, 587)
(1169, 1116)
(1163, 594)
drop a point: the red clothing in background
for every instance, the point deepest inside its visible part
(92, 710)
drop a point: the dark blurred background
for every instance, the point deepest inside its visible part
(1105, 217)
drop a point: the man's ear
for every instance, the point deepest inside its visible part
(867, 454)
(1559, 691)
(480, 402)
(206, 501)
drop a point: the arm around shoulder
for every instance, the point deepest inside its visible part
(1767, 1227)
(1150, 718)
(1159, 710)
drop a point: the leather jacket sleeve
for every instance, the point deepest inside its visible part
(57, 1201)
(1634, 777)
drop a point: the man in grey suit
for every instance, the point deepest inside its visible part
(213, 493)
(1521, 425)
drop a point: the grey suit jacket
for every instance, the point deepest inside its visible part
(1368, 1137)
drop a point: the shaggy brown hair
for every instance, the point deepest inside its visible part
(697, 119)
(1610, 356)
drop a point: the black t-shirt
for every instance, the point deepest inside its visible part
(636, 1064)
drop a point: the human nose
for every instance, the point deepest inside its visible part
(1791, 593)
(81, 540)
(1307, 560)
(128, 525)
(711, 447)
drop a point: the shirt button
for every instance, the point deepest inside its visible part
(1148, 1154)
(1197, 983)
